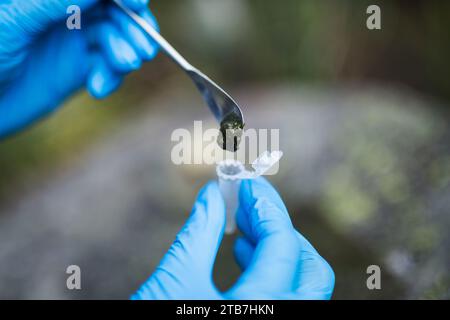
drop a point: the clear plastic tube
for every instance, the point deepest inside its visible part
(230, 174)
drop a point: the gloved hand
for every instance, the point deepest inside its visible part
(42, 62)
(277, 261)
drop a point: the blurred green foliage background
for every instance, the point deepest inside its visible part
(251, 41)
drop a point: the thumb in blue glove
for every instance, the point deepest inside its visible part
(42, 62)
(277, 262)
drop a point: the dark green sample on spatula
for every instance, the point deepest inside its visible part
(231, 129)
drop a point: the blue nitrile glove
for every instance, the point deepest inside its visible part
(277, 261)
(42, 62)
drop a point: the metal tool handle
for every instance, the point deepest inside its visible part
(166, 46)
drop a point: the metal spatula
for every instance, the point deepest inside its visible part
(219, 102)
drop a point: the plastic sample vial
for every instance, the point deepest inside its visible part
(230, 173)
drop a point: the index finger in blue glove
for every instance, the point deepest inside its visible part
(200, 237)
(263, 219)
(120, 54)
(259, 193)
(263, 189)
(102, 79)
(141, 42)
(185, 272)
(135, 5)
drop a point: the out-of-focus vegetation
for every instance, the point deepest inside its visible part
(252, 41)
(309, 40)
(389, 166)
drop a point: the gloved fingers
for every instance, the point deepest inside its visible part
(243, 252)
(267, 225)
(136, 5)
(242, 217)
(251, 194)
(187, 267)
(121, 55)
(102, 80)
(196, 245)
(151, 19)
(315, 277)
(244, 249)
(142, 44)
